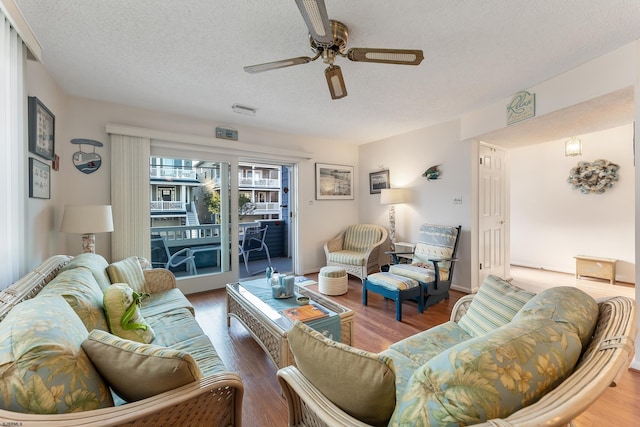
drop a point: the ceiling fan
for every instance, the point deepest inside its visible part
(328, 39)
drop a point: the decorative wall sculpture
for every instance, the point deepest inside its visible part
(596, 177)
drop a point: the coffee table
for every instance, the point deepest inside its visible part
(269, 327)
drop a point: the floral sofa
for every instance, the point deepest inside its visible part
(507, 357)
(64, 363)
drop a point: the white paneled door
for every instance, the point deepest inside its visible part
(492, 209)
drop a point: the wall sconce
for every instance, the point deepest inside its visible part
(573, 147)
(392, 197)
(87, 220)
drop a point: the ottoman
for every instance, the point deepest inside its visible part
(395, 287)
(332, 281)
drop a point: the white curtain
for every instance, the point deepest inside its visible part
(130, 198)
(13, 154)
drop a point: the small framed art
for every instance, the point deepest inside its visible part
(41, 129)
(334, 182)
(378, 181)
(39, 179)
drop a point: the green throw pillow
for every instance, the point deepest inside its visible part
(121, 305)
(128, 271)
(495, 304)
(359, 382)
(136, 371)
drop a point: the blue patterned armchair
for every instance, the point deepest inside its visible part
(356, 249)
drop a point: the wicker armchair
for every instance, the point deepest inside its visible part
(605, 359)
(356, 249)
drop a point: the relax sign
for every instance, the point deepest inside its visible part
(521, 107)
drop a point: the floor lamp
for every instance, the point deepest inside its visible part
(392, 197)
(87, 220)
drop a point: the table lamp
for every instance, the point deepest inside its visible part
(392, 197)
(87, 220)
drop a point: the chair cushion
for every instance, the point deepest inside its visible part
(359, 382)
(347, 257)
(81, 291)
(415, 272)
(136, 371)
(360, 237)
(435, 241)
(495, 304)
(564, 304)
(128, 271)
(44, 369)
(123, 314)
(392, 281)
(490, 376)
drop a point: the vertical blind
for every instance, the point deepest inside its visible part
(13, 54)
(130, 197)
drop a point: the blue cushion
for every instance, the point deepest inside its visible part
(44, 369)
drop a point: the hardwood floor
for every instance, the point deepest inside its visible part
(375, 330)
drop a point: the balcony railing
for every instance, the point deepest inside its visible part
(172, 172)
(161, 205)
(258, 182)
(189, 235)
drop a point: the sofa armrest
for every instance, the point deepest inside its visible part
(158, 280)
(307, 404)
(461, 307)
(215, 400)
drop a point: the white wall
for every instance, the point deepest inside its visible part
(407, 156)
(551, 222)
(83, 118)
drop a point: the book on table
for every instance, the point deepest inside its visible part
(305, 313)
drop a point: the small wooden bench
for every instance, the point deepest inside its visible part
(600, 268)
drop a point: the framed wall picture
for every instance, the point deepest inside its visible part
(378, 181)
(334, 182)
(39, 179)
(41, 129)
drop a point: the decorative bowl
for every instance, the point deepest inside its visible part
(302, 300)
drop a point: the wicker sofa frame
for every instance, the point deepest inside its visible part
(605, 359)
(215, 400)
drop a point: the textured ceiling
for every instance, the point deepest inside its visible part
(187, 57)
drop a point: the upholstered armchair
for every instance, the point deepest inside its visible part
(356, 249)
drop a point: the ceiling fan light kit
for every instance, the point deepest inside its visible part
(328, 39)
(336, 82)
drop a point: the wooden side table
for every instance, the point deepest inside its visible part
(600, 268)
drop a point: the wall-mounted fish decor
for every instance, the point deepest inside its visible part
(87, 162)
(432, 173)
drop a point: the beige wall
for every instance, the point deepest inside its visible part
(407, 156)
(551, 222)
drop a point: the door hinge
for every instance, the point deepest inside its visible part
(480, 160)
(480, 266)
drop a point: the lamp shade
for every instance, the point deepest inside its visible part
(87, 219)
(392, 196)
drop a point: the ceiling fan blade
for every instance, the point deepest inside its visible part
(314, 13)
(386, 56)
(258, 68)
(338, 90)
